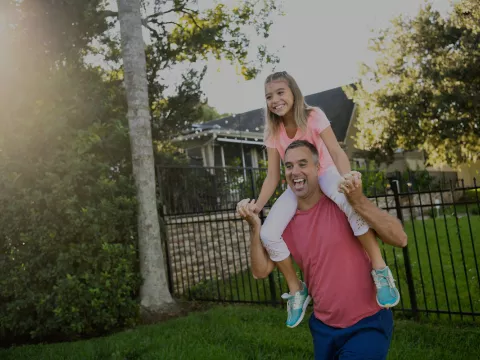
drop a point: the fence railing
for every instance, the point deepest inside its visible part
(208, 244)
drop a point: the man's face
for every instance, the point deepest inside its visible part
(301, 172)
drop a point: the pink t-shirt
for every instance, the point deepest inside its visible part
(317, 122)
(334, 263)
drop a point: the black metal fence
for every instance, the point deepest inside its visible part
(207, 245)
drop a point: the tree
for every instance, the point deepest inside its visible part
(154, 293)
(209, 113)
(67, 195)
(68, 227)
(194, 35)
(182, 34)
(423, 92)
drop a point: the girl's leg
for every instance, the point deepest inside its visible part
(271, 234)
(277, 220)
(293, 282)
(329, 185)
(370, 244)
(387, 293)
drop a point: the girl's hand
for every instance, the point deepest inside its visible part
(245, 210)
(350, 181)
(355, 174)
(251, 204)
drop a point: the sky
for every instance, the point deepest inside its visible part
(324, 42)
(320, 42)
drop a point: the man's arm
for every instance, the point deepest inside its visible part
(262, 265)
(388, 228)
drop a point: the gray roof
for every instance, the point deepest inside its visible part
(251, 120)
(333, 102)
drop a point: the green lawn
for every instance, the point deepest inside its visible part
(444, 266)
(245, 332)
(443, 262)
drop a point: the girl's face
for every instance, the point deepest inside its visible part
(279, 97)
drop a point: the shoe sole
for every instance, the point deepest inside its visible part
(304, 309)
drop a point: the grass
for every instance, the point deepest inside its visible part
(443, 262)
(245, 332)
(444, 256)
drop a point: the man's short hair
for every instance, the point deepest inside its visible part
(304, 143)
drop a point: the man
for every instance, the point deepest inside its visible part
(347, 321)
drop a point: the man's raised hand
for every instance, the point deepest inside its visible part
(246, 209)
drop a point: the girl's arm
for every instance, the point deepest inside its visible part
(336, 152)
(271, 181)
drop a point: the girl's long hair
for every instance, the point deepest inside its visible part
(301, 109)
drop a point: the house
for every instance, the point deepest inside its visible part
(238, 139)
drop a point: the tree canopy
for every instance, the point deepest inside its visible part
(423, 93)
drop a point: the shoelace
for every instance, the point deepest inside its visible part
(294, 302)
(390, 281)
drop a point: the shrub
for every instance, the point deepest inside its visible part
(68, 263)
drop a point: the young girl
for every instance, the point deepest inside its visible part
(289, 118)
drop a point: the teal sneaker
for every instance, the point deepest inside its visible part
(296, 306)
(387, 293)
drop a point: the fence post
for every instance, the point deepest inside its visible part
(271, 279)
(406, 255)
(163, 232)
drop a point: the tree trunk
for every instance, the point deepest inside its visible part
(154, 293)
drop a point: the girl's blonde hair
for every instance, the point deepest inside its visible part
(301, 109)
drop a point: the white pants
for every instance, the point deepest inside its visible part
(286, 205)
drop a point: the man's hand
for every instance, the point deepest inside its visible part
(387, 227)
(351, 186)
(251, 204)
(246, 209)
(261, 264)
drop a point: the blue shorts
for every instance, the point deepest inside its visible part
(367, 339)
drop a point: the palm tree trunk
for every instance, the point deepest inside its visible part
(154, 293)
